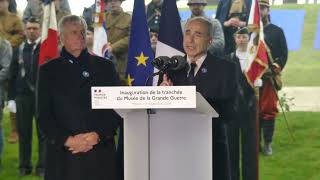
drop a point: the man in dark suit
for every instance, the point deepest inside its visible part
(80, 139)
(22, 82)
(215, 79)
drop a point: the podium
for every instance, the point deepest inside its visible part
(168, 144)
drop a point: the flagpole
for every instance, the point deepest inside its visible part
(257, 93)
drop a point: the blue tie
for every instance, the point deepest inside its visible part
(191, 78)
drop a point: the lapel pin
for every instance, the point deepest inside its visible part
(204, 70)
(85, 74)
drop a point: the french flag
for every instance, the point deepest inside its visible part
(170, 39)
(257, 62)
(49, 36)
(100, 39)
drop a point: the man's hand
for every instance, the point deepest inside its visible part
(82, 142)
(166, 81)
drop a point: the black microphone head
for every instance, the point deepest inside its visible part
(177, 62)
(160, 61)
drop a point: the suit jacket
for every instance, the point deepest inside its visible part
(216, 81)
(64, 109)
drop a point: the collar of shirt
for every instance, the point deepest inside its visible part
(36, 42)
(242, 56)
(198, 62)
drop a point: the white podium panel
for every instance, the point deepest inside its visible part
(180, 146)
(171, 144)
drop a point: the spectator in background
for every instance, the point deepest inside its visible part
(5, 60)
(154, 39)
(232, 14)
(242, 131)
(88, 13)
(11, 28)
(34, 9)
(197, 9)
(22, 84)
(80, 139)
(277, 59)
(118, 30)
(89, 40)
(154, 13)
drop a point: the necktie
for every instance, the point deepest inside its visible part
(191, 78)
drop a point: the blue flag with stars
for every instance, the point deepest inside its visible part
(140, 52)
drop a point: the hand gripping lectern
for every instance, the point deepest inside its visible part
(168, 144)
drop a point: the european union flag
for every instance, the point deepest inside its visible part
(140, 53)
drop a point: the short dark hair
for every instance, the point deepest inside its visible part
(33, 19)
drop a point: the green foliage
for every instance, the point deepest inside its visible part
(285, 102)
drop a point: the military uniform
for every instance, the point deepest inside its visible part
(153, 15)
(118, 31)
(11, 28)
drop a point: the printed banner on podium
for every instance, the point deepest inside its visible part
(143, 97)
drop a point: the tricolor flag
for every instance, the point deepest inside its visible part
(100, 38)
(49, 36)
(170, 39)
(257, 62)
(140, 53)
(170, 32)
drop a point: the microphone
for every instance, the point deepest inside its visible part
(164, 63)
(177, 62)
(160, 62)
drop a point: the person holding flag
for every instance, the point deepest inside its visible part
(277, 59)
(242, 132)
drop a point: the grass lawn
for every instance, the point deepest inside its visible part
(292, 160)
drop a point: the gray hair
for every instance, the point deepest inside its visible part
(203, 20)
(71, 19)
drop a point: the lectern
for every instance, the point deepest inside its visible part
(168, 144)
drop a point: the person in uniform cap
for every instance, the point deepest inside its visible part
(277, 59)
(197, 10)
(118, 25)
(242, 131)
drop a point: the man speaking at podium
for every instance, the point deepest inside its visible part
(215, 79)
(80, 142)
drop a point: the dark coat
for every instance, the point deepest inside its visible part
(242, 130)
(276, 41)
(245, 103)
(64, 108)
(216, 81)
